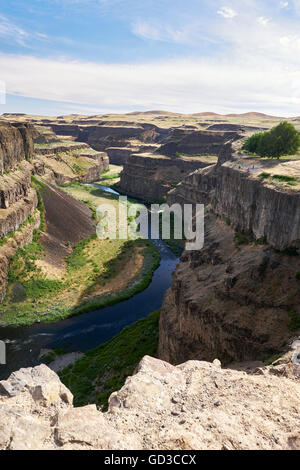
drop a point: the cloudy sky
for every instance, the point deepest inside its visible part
(90, 56)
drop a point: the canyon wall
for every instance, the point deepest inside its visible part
(238, 298)
(235, 192)
(18, 201)
(197, 142)
(16, 144)
(110, 134)
(151, 176)
(66, 161)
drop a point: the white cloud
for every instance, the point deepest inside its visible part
(11, 32)
(284, 4)
(263, 20)
(227, 12)
(178, 85)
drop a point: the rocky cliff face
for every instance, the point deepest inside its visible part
(237, 297)
(187, 407)
(197, 142)
(151, 176)
(67, 161)
(110, 134)
(16, 144)
(18, 200)
(236, 192)
(232, 301)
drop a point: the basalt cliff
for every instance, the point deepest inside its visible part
(19, 216)
(153, 176)
(238, 298)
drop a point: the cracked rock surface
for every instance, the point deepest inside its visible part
(196, 405)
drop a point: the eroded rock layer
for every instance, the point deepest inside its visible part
(151, 176)
(16, 144)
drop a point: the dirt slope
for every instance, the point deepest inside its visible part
(68, 221)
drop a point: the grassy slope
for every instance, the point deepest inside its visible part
(104, 370)
(93, 264)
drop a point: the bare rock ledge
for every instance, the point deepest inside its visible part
(196, 405)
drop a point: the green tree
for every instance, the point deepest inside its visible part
(283, 139)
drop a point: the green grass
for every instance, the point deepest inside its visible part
(290, 180)
(241, 238)
(151, 263)
(92, 265)
(104, 370)
(264, 175)
(112, 176)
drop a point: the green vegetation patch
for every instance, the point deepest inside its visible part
(241, 238)
(88, 283)
(281, 140)
(290, 180)
(102, 371)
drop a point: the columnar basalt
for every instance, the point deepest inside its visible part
(18, 201)
(16, 144)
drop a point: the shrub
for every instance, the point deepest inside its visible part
(283, 139)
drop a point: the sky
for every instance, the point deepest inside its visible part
(114, 56)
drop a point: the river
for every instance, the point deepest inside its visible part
(89, 330)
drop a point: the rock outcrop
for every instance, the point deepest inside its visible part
(197, 142)
(196, 405)
(15, 185)
(71, 161)
(107, 134)
(16, 144)
(151, 176)
(120, 155)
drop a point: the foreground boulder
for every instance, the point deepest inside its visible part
(196, 405)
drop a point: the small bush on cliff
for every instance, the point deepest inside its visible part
(283, 139)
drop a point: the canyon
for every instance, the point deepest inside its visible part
(235, 301)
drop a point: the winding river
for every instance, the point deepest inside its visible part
(87, 331)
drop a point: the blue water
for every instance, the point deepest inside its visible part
(89, 330)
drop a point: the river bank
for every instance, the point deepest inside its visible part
(97, 273)
(88, 330)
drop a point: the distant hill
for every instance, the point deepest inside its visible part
(156, 112)
(253, 115)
